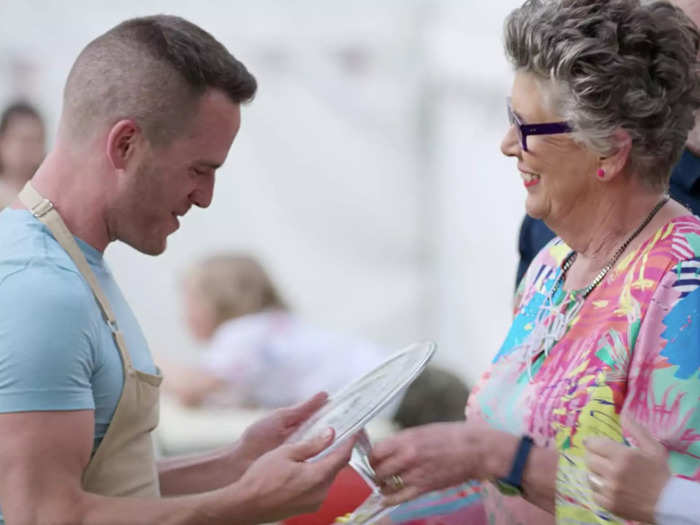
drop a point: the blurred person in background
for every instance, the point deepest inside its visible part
(605, 319)
(258, 354)
(22, 147)
(150, 110)
(684, 185)
(435, 395)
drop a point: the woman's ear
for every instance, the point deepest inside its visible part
(614, 164)
(122, 141)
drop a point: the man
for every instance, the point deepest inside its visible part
(150, 109)
(684, 186)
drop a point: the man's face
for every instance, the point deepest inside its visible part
(170, 179)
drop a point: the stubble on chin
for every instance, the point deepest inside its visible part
(152, 247)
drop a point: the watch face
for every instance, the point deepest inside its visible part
(353, 406)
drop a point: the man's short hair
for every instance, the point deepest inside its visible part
(153, 70)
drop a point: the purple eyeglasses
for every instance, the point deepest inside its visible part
(545, 128)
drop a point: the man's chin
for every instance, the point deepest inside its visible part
(149, 248)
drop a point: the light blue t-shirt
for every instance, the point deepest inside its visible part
(56, 350)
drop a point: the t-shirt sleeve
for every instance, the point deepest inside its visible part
(48, 323)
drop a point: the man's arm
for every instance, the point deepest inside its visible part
(43, 455)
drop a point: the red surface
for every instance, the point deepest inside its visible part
(347, 492)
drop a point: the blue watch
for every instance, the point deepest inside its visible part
(511, 485)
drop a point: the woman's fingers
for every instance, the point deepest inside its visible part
(597, 464)
(408, 493)
(642, 436)
(603, 446)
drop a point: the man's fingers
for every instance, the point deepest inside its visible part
(337, 459)
(309, 448)
(301, 412)
(642, 436)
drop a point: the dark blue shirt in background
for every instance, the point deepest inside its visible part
(684, 187)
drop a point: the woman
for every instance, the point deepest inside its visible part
(22, 148)
(257, 353)
(606, 317)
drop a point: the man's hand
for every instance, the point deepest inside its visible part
(282, 483)
(217, 469)
(271, 431)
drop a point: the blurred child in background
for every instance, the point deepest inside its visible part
(258, 354)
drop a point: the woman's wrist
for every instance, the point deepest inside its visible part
(497, 450)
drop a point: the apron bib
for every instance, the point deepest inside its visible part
(124, 462)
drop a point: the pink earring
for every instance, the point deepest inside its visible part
(601, 173)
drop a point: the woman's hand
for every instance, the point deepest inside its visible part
(628, 481)
(427, 458)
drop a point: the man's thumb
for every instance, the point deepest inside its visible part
(312, 446)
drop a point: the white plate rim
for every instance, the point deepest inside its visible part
(430, 348)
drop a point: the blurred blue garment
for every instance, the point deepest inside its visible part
(684, 187)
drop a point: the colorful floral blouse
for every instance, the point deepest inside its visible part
(632, 347)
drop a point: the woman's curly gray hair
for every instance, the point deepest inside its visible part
(613, 64)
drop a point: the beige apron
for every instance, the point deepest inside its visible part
(124, 462)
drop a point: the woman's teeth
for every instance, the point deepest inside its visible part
(529, 177)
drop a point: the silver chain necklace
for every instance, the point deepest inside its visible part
(545, 335)
(569, 261)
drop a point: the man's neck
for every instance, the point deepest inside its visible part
(76, 196)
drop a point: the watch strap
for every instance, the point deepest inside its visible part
(515, 477)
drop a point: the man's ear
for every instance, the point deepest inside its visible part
(122, 140)
(615, 163)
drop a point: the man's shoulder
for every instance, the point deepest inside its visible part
(45, 293)
(35, 272)
(685, 181)
(687, 169)
(27, 245)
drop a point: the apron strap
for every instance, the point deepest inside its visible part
(43, 209)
